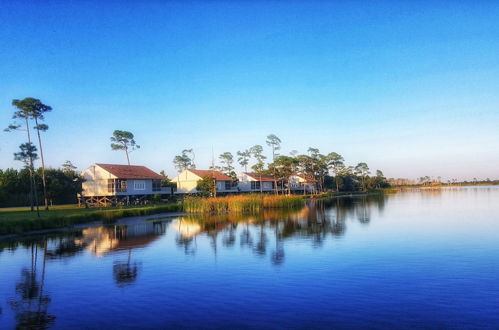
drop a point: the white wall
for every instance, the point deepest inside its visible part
(95, 183)
(187, 182)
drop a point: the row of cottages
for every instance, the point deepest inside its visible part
(110, 184)
(187, 182)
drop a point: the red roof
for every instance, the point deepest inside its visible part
(130, 171)
(211, 174)
(261, 177)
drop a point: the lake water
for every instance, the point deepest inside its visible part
(414, 259)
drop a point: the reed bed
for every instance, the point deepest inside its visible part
(240, 203)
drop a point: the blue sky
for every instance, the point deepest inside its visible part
(411, 88)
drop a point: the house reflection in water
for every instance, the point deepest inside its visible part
(103, 240)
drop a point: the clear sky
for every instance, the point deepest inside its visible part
(411, 88)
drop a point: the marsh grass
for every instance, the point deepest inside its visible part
(240, 203)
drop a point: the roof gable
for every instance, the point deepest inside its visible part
(260, 177)
(130, 171)
(211, 174)
(306, 178)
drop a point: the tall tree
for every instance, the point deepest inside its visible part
(362, 171)
(275, 143)
(123, 140)
(184, 160)
(336, 163)
(227, 161)
(23, 113)
(32, 108)
(316, 166)
(68, 167)
(283, 168)
(27, 155)
(243, 158)
(38, 114)
(379, 181)
(259, 166)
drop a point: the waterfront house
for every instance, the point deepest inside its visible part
(106, 184)
(254, 182)
(187, 181)
(300, 183)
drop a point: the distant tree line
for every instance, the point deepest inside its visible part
(63, 184)
(438, 181)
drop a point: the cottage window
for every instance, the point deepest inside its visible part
(255, 185)
(110, 185)
(228, 185)
(156, 185)
(139, 185)
(121, 185)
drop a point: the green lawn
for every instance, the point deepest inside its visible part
(18, 220)
(27, 208)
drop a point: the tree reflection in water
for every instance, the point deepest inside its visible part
(31, 308)
(317, 221)
(246, 239)
(261, 246)
(125, 273)
(229, 235)
(278, 254)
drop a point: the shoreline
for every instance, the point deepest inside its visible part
(92, 224)
(140, 218)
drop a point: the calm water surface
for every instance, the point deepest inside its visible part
(415, 259)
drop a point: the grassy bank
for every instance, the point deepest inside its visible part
(14, 221)
(19, 220)
(240, 203)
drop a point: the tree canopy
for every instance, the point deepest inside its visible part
(124, 140)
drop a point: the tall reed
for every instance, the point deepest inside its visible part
(240, 203)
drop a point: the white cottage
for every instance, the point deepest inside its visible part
(187, 181)
(115, 184)
(254, 182)
(302, 183)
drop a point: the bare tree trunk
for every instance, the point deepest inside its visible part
(261, 184)
(44, 183)
(31, 187)
(127, 158)
(43, 274)
(35, 191)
